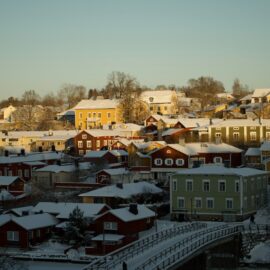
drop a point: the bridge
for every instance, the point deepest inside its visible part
(169, 248)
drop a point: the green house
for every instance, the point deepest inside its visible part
(215, 192)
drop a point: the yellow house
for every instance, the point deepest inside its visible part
(95, 113)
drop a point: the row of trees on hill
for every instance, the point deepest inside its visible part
(119, 85)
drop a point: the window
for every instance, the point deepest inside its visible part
(80, 144)
(218, 160)
(105, 142)
(189, 185)
(218, 135)
(221, 185)
(253, 128)
(89, 115)
(108, 115)
(253, 136)
(206, 185)
(151, 108)
(181, 202)
(158, 108)
(237, 187)
(267, 136)
(174, 187)
(99, 115)
(38, 233)
(94, 115)
(209, 202)
(30, 235)
(84, 136)
(158, 161)
(165, 108)
(81, 152)
(229, 203)
(236, 136)
(168, 161)
(218, 128)
(13, 236)
(98, 143)
(198, 202)
(80, 115)
(179, 162)
(26, 173)
(235, 128)
(10, 173)
(168, 151)
(20, 174)
(110, 226)
(88, 144)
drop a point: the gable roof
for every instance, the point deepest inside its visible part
(63, 210)
(116, 171)
(128, 190)
(253, 151)
(64, 168)
(265, 146)
(157, 96)
(96, 104)
(125, 215)
(7, 180)
(261, 92)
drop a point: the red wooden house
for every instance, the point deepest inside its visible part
(13, 184)
(118, 227)
(26, 230)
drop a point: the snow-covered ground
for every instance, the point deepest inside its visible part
(52, 265)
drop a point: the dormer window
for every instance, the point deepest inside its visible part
(151, 99)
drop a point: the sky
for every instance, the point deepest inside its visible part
(45, 44)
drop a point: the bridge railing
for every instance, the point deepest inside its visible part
(116, 258)
(187, 246)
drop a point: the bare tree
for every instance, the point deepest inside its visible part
(240, 90)
(71, 94)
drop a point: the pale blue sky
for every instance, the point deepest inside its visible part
(46, 43)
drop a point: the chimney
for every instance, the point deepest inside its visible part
(22, 152)
(40, 149)
(6, 153)
(133, 208)
(119, 185)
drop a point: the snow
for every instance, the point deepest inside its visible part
(65, 167)
(63, 210)
(108, 237)
(125, 215)
(265, 146)
(126, 192)
(116, 171)
(253, 151)
(96, 104)
(157, 96)
(260, 253)
(6, 196)
(261, 92)
(7, 180)
(221, 170)
(171, 131)
(39, 265)
(19, 211)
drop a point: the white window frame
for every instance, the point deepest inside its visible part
(80, 144)
(13, 236)
(97, 143)
(168, 161)
(203, 182)
(112, 226)
(109, 115)
(26, 173)
(253, 136)
(236, 136)
(219, 185)
(218, 160)
(218, 135)
(183, 202)
(227, 201)
(198, 199)
(89, 144)
(179, 162)
(84, 136)
(188, 181)
(158, 161)
(208, 200)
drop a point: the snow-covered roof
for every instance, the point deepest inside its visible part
(171, 131)
(103, 132)
(101, 153)
(108, 237)
(63, 210)
(243, 122)
(6, 196)
(158, 96)
(127, 142)
(265, 146)
(247, 97)
(35, 156)
(19, 210)
(97, 104)
(225, 95)
(119, 153)
(253, 151)
(116, 171)
(69, 112)
(128, 190)
(65, 168)
(36, 221)
(7, 180)
(127, 127)
(261, 92)
(127, 216)
(211, 169)
(4, 219)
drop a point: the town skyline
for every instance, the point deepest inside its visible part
(45, 45)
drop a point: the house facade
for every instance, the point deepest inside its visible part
(212, 192)
(96, 113)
